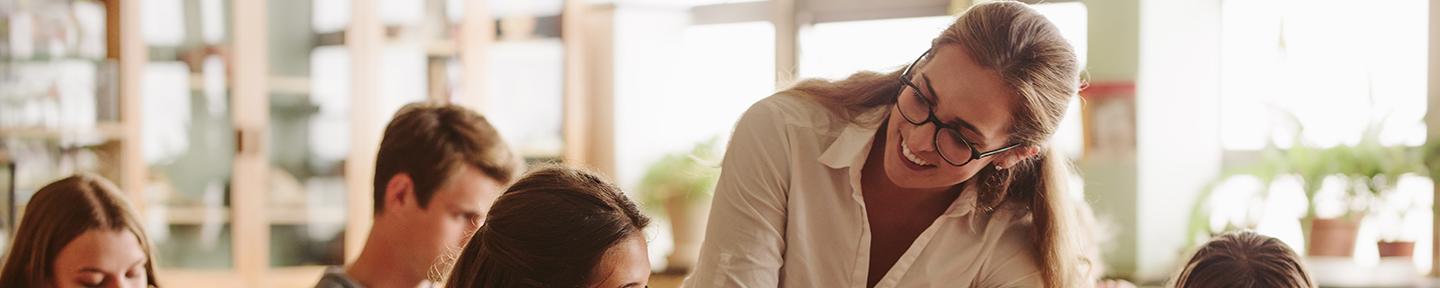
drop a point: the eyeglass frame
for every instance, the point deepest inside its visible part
(975, 154)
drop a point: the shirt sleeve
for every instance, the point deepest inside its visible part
(745, 238)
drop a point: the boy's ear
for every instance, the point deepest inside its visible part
(399, 191)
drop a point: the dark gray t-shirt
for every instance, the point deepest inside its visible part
(335, 277)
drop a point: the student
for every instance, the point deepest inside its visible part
(558, 227)
(79, 232)
(937, 174)
(439, 168)
(1244, 260)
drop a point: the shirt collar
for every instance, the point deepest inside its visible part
(849, 149)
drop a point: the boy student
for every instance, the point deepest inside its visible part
(439, 169)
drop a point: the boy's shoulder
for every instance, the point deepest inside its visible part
(335, 277)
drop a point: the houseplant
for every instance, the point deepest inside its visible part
(1378, 168)
(681, 185)
(1366, 170)
(1394, 206)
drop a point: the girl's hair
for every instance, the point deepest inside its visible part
(1244, 259)
(1042, 71)
(549, 229)
(61, 212)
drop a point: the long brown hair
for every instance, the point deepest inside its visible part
(59, 213)
(549, 229)
(1244, 259)
(1041, 69)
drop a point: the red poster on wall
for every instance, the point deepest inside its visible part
(1109, 118)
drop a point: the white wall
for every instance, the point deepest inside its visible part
(1113, 38)
(1178, 119)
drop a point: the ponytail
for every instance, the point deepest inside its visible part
(1039, 186)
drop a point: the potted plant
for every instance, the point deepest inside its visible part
(1363, 172)
(681, 185)
(1271, 164)
(1392, 207)
(1334, 235)
(1328, 235)
(1381, 171)
(1393, 242)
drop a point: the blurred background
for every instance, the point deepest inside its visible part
(246, 130)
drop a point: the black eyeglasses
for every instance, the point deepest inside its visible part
(918, 110)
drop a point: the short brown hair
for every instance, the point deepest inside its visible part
(430, 141)
(548, 230)
(1244, 259)
(61, 212)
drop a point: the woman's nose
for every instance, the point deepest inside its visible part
(921, 137)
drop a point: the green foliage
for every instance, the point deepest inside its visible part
(687, 175)
(1378, 166)
(1430, 155)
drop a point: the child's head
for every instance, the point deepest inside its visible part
(557, 227)
(439, 168)
(1244, 259)
(79, 232)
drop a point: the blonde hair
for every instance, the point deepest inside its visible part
(61, 212)
(1041, 68)
(1244, 259)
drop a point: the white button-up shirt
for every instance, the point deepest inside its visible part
(788, 212)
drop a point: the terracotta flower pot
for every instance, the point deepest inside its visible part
(1396, 249)
(1333, 237)
(687, 226)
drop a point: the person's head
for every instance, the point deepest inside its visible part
(979, 105)
(439, 168)
(557, 227)
(79, 232)
(1243, 260)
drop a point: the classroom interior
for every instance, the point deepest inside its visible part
(245, 131)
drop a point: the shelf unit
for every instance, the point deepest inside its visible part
(200, 215)
(248, 212)
(102, 132)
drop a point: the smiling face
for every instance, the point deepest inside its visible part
(964, 95)
(101, 258)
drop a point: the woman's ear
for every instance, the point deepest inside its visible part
(1008, 159)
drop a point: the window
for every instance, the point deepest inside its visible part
(676, 101)
(1280, 57)
(526, 81)
(838, 49)
(1291, 70)
(677, 85)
